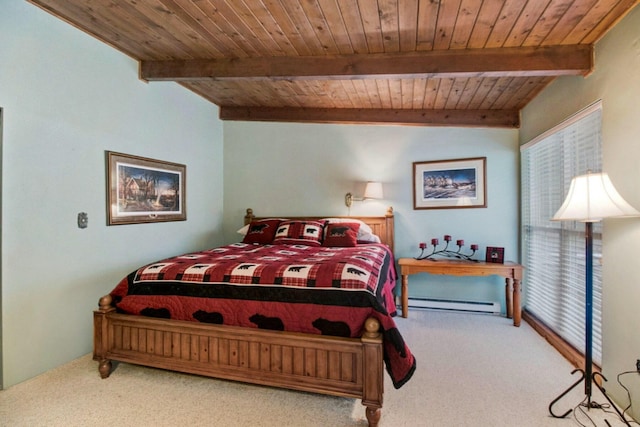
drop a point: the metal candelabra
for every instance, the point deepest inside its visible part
(446, 252)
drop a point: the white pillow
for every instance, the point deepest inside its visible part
(365, 233)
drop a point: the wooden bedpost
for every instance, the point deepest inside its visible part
(389, 228)
(373, 378)
(100, 335)
(249, 216)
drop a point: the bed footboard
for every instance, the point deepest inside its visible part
(348, 367)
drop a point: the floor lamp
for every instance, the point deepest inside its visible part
(592, 197)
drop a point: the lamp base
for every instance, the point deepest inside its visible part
(589, 403)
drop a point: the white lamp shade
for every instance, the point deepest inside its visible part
(373, 190)
(591, 198)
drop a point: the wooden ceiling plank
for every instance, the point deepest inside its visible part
(360, 90)
(467, 16)
(297, 15)
(245, 23)
(336, 25)
(509, 14)
(447, 17)
(502, 100)
(193, 16)
(496, 91)
(353, 54)
(444, 89)
(389, 25)
(525, 22)
(384, 92)
(597, 21)
(427, 23)
(558, 60)
(320, 27)
(460, 118)
(227, 29)
(287, 26)
(419, 88)
(543, 82)
(372, 93)
(371, 24)
(353, 21)
(271, 26)
(350, 94)
(395, 93)
(406, 93)
(339, 94)
(485, 88)
(169, 26)
(457, 89)
(89, 21)
(470, 88)
(569, 20)
(290, 90)
(616, 14)
(408, 24)
(431, 93)
(487, 17)
(548, 20)
(521, 93)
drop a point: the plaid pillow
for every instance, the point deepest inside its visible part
(261, 231)
(295, 232)
(343, 234)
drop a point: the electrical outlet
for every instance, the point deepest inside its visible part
(638, 365)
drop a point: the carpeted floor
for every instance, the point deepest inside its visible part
(473, 370)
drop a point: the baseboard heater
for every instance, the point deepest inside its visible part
(453, 305)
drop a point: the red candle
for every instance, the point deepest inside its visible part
(423, 245)
(474, 247)
(434, 242)
(460, 242)
(447, 238)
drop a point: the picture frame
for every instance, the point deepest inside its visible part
(450, 184)
(494, 255)
(144, 190)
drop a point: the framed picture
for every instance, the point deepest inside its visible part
(450, 184)
(144, 190)
(495, 255)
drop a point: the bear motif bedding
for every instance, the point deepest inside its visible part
(296, 288)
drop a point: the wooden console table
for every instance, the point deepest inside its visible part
(511, 271)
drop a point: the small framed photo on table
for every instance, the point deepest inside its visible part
(495, 255)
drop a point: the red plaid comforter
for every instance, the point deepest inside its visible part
(320, 290)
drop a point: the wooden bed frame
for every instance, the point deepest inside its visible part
(349, 367)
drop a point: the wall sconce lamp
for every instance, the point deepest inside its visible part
(373, 190)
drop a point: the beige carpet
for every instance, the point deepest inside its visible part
(473, 370)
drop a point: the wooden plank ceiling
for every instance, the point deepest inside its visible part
(418, 62)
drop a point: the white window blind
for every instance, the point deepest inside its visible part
(554, 252)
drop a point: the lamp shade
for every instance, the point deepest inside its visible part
(373, 190)
(591, 198)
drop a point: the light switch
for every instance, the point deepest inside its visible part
(83, 220)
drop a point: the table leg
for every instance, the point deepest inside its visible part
(405, 295)
(508, 297)
(517, 310)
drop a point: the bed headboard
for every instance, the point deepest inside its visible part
(382, 226)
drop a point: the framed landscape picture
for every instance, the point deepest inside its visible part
(450, 184)
(143, 190)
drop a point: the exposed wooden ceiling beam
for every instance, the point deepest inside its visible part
(459, 118)
(515, 62)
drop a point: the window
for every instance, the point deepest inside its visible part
(554, 252)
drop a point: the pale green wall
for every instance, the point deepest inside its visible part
(298, 169)
(67, 98)
(616, 80)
